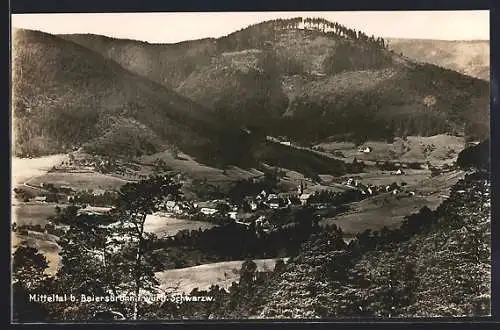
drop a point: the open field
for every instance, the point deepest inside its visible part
(389, 210)
(169, 226)
(195, 170)
(26, 168)
(79, 181)
(33, 213)
(378, 177)
(437, 149)
(44, 243)
(203, 276)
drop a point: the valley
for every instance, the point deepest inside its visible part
(279, 160)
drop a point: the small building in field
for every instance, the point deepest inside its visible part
(170, 205)
(274, 203)
(366, 150)
(40, 199)
(304, 198)
(208, 208)
(98, 192)
(253, 205)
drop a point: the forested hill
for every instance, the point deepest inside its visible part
(65, 95)
(309, 79)
(437, 264)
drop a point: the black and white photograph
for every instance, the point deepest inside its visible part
(173, 166)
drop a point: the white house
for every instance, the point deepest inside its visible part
(40, 199)
(208, 210)
(286, 143)
(366, 150)
(304, 197)
(272, 196)
(233, 215)
(253, 205)
(399, 172)
(170, 205)
(98, 192)
(274, 203)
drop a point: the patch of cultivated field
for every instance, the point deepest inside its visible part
(377, 177)
(203, 276)
(33, 213)
(389, 210)
(195, 170)
(46, 244)
(26, 168)
(79, 181)
(436, 149)
(377, 212)
(163, 225)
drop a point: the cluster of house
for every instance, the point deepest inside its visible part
(276, 201)
(371, 189)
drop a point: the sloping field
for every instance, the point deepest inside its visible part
(79, 181)
(44, 243)
(33, 213)
(203, 276)
(169, 226)
(196, 170)
(389, 210)
(26, 168)
(435, 149)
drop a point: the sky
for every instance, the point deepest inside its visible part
(175, 27)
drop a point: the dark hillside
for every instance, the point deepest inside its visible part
(66, 95)
(349, 81)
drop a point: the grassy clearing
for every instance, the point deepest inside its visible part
(33, 213)
(44, 243)
(168, 226)
(79, 181)
(389, 210)
(196, 170)
(26, 168)
(377, 177)
(436, 149)
(203, 276)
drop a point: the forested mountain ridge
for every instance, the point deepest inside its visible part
(310, 79)
(65, 95)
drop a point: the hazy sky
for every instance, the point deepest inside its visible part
(174, 27)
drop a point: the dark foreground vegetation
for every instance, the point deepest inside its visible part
(436, 264)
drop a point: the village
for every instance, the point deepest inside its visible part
(262, 210)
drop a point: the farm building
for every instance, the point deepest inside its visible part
(366, 150)
(207, 208)
(304, 198)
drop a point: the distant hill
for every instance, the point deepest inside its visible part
(66, 95)
(468, 57)
(310, 81)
